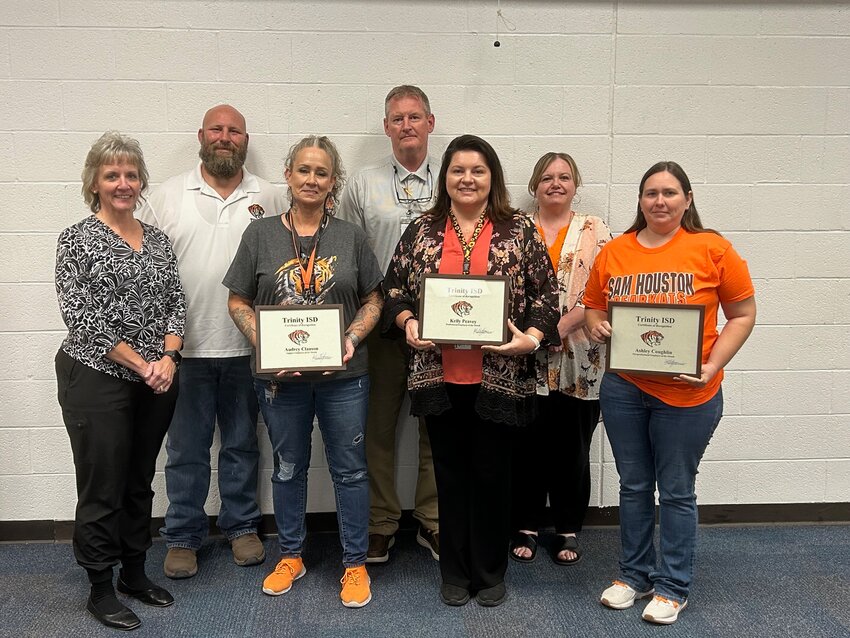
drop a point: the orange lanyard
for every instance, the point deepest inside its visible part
(307, 273)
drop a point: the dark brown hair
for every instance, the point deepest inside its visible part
(690, 220)
(498, 201)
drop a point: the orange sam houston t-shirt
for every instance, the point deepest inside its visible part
(691, 268)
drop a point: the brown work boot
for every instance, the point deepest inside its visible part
(247, 550)
(379, 548)
(430, 540)
(180, 562)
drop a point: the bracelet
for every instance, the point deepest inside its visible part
(409, 318)
(355, 340)
(535, 340)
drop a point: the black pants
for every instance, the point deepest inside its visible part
(472, 465)
(116, 429)
(551, 458)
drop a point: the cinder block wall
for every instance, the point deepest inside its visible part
(753, 99)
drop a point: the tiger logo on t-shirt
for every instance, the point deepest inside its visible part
(290, 288)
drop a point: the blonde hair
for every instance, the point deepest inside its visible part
(324, 143)
(543, 164)
(109, 148)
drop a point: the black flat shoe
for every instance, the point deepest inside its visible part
(153, 596)
(125, 619)
(453, 595)
(492, 596)
(521, 539)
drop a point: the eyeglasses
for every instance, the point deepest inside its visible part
(407, 201)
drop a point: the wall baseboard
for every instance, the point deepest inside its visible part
(755, 514)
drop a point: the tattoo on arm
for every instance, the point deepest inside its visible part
(243, 316)
(244, 320)
(368, 314)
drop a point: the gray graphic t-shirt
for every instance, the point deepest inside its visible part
(266, 270)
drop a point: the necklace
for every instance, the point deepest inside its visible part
(467, 246)
(549, 231)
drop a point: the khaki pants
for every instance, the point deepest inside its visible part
(388, 379)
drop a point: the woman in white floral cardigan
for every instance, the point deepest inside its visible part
(552, 457)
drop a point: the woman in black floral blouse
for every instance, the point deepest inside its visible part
(470, 397)
(120, 296)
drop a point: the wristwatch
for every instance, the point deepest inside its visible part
(175, 356)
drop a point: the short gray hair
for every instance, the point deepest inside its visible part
(111, 147)
(407, 90)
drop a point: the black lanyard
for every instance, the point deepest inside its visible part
(467, 246)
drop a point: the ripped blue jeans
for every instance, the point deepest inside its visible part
(340, 406)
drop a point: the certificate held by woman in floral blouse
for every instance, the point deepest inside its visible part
(460, 309)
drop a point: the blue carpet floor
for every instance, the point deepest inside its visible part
(764, 581)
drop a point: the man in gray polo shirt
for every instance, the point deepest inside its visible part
(383, 199)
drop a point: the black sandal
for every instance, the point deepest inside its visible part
(569, 543)
(521, 539)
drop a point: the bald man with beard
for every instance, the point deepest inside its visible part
(204, 212)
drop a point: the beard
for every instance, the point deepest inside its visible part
(224, 166)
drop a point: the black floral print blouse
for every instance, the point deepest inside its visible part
(508, 383)
(110, 293)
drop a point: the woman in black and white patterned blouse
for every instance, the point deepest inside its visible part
(120, 296)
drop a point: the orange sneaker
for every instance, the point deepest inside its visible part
(355, 587)
(280, 581)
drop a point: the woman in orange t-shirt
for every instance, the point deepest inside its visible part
(659, 426)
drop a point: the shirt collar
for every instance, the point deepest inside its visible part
(196, 181)
(403, 173)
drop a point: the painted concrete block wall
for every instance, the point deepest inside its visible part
(753, 99)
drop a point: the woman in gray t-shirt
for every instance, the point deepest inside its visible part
(307, 256)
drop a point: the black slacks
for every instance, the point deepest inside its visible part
(551, 458)
(116, 429)
(472, 466)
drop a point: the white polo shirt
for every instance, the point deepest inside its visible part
(205, 231)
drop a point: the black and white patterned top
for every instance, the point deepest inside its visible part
(110, 293)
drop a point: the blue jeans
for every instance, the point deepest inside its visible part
(341, 407)
(212, 388)
(656, 443)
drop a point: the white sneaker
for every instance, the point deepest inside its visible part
(663, 611)
(621, 596)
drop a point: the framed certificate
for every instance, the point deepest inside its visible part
(299, 338)
(460, 309)
(655, 338)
